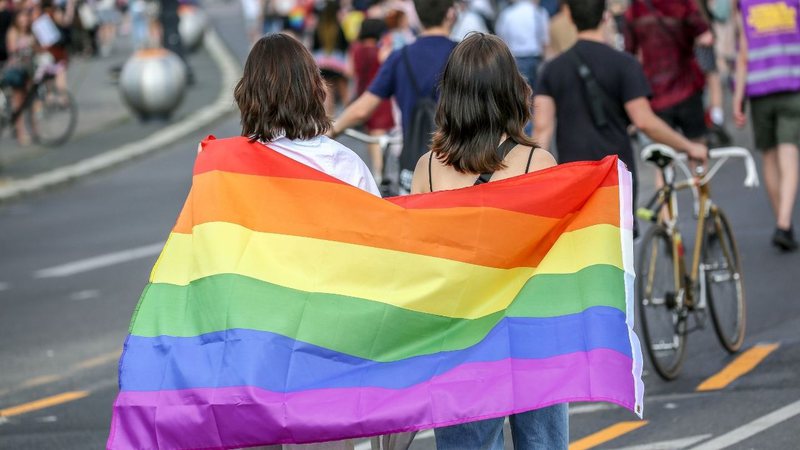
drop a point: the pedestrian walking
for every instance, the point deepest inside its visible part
(768, 74)
(410, 76)
(470, 17)
(473, 145)
(523, 25)
(664, 33)
(589, 95)
(330, 52)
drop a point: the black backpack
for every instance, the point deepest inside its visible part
(417, 134)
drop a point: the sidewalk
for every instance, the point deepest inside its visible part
(104, 121)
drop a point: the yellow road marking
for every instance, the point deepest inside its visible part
(38, 381)
(97, 361)
(744, 363)
(43, 403)
(72, 370)
(606, 434)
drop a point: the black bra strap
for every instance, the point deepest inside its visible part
(430, 172)
(502, 151)
(530, 157)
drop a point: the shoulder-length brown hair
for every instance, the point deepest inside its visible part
(483, 96)
(281, 92)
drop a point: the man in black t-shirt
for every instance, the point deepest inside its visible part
(620, 91)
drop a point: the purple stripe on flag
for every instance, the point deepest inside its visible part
(242, 416)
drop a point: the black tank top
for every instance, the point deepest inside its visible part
(502, 151)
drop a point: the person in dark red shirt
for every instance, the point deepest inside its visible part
(664, 33)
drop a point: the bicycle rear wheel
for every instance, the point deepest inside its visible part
(724, 282)
(660, 308)
(52, 115)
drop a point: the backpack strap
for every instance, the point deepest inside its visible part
(599, 101)
(502, 151)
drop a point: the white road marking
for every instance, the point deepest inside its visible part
(47, 419)
(98, 262)
(750, 429)
(87, 294)
(675, 444)
(590, 408)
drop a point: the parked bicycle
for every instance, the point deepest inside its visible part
(50, 113)
(388, 186)
(669, 291)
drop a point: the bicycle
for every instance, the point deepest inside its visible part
(50, 113)
(668, 293)
(387, 187)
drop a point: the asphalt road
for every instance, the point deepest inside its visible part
(74, 262)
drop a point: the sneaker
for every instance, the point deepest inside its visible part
(784, 239)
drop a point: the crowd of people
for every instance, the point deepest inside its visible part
(652, 70)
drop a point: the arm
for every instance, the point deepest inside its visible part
(739, 117)
(656, 129)
(544, 119)
(355, 114)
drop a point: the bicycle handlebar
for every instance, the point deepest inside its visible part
(382, 140)
(721, 154)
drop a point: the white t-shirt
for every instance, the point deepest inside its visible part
(329, 156)
(524, 26)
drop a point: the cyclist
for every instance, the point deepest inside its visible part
(20, 45)
(424, 60)
(620, 95)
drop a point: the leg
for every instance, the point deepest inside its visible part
(541, 429)
(376, 156)
(481, 435)
(19, 125)
(772, 178)
(787, 161)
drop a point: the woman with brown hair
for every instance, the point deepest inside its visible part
(281, 98)
(484, 104)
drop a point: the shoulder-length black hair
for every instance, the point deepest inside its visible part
(281, 92)
(482, 97)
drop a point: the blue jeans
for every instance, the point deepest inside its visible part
(540, 429)
(528, 66)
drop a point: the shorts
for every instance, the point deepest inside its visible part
(688, 116)
(776, 119)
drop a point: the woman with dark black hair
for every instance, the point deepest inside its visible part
(484, 105)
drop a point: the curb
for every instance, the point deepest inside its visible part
(229, 68)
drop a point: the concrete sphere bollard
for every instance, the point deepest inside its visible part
(153, 82)
(192, 26)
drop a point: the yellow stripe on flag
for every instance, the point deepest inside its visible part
(400, 279)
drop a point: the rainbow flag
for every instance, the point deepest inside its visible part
(290, 307)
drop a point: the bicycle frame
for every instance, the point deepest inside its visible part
(705, 208)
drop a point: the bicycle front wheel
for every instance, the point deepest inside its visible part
(660, 304)
(724, 282)
(52, 115)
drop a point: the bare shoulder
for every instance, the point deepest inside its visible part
(420, 180)
(542, 159)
